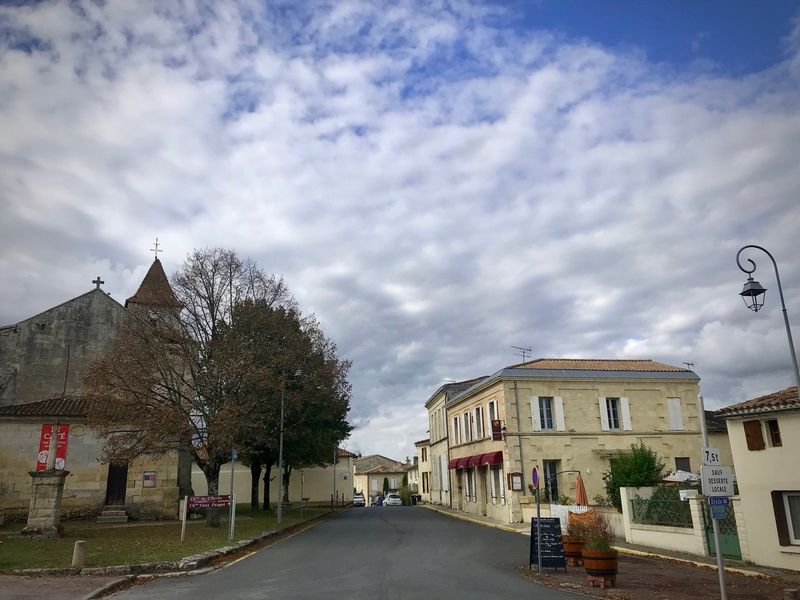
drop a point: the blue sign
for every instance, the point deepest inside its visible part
(234, 454)
(719, 511)
(719, 501)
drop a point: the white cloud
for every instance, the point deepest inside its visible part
(434, 185)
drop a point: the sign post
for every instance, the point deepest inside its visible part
(709, 456)
(232, 512)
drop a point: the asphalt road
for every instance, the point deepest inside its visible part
(382, 552)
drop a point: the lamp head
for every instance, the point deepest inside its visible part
(753, 294)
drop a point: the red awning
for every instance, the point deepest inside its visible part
(462, 463)
(452, 464)
(492, 458)
(474, 461)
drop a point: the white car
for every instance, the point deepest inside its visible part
(393, 500)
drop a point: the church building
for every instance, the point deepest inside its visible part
(43, 360)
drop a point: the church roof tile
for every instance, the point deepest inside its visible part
(155, 289)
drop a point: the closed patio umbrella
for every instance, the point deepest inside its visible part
(580, 492)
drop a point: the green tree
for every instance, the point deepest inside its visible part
(385, 485)
(640, 467)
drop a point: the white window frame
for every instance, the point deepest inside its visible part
(623, 414)
(456, 432)
(543, 413)
(444, 473)
(479, 430)
(674, 414)
(491, 407)
(788, 513)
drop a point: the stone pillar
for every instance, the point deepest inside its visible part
(44, 514)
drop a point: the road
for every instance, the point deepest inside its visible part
(382, 552)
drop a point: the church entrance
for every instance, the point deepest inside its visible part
(117, 484)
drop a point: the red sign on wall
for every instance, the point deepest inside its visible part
(497, 430)
(44, 446)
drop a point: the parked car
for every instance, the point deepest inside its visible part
(358, 499)
(393, 500)
(378, 501)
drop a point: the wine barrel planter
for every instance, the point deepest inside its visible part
(572, 549)
(600, 563)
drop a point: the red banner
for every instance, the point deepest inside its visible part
(44, 446)
(208, 501)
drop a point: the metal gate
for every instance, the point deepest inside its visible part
(728, 533)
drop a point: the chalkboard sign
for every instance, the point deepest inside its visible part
(552, 546)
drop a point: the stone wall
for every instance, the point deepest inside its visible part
(85, 487)
(33, 352)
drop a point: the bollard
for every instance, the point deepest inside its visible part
(79, 554)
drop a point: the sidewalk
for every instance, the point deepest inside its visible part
(653, 572)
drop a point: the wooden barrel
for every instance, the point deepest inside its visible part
(600, 563)
(572, 546)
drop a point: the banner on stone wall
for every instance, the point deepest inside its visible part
(44, 446)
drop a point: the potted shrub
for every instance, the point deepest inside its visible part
(573, 538)
(599, 558)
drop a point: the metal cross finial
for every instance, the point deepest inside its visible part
(155, 249)
(98, 282)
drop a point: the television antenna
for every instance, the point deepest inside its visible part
(524, 352)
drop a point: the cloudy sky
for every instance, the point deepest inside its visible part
(437, 181)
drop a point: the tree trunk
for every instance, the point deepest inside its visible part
(267, 473)
(287, 473)
(185, 463)
(211, 471)
(255, 473)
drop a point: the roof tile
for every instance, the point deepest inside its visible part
(783, 400)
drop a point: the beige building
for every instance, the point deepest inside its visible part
(316, 485)
(765, 440)
(370, 471)
(564, 416)
(424, 469)
(439, 452)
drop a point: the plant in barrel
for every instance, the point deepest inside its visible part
(599, 557)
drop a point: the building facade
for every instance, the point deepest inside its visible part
(423, 469)
(43, 360)
(765, 440)
(564, 416)
(370, 471)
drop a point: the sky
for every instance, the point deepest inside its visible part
(436, 181)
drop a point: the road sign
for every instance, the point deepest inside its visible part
(719, 501)
(535, 478)
(710, 456)
(716, 480)
(208, 501)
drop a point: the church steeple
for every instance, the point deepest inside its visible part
(155, 290)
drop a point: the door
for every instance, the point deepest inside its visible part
(550, 476)
(484, 488)
(116, 484)
(728, 534)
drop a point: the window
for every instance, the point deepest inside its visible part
(615, 414)
(753, 435)
(469, 485)
(444, 474)
(774, 433)
(497, 484)
(549, 470)
(456, 432)
(546, 413)
(683, 463)
(425, 489)
(786, 505)
(467, 427)
(373, 485)
(612, 410)
(674, 414)
(393, 482)
(424, 454)
(478, 422)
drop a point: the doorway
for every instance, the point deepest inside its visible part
(117, 484)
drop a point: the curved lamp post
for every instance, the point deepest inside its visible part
(753, 295)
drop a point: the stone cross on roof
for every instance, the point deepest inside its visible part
(98, 282)
(155, 249)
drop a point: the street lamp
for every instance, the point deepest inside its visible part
(753, 295)
(297, 373)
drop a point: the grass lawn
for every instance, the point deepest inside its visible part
(132, 543)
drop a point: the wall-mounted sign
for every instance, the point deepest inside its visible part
(149, 479)
(497, 430)
(44, 446)
(515, 482)
(716, 480)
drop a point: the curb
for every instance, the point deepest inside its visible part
(476, 521)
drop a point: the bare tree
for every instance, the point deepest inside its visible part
(173, 375)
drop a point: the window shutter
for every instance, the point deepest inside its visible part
(626, 414)
(559, 408)
(781, 521)
(753, 435)
(603, 413)
(536, 419)
(502, 486)
(675, 416)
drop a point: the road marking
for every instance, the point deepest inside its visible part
(249, 554)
